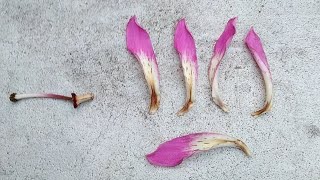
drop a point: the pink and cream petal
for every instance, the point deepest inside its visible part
(219, 50)
(185, 46)
(254, 44)
(139, 44)
(173, 152)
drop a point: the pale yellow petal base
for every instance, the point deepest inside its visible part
(150, 69)
(189, 72)
(219, 140)
(269, 94)
(213, 80)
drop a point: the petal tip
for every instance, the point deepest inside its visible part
(186, 108)
(221, 105)
(243, 147)
(225, 108)
(168, 154)
(150, 159)
(218, 101)
(133, 18)
(182, 24)
(154, 99)
(132, 22)
(251, 36)
(234, 20)
(138, 40)
(182, 21)
(184, 42)
(154, 106)
(266, 108)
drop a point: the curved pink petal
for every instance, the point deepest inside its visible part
(185, 46)
(225, 38)
(255, 46)
(138, 40)
(139, 44)
(184, 42)
(219, 50)
(173, 152)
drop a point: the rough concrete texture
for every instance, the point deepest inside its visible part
(64, 46)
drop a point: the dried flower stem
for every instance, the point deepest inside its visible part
(14, 97)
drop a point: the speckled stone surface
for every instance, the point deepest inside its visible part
(64, 46)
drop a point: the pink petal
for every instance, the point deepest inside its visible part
(185, 46)
(139, 44)
(224, 40)
(138, 40)
(219, 50)
(184, 42)
(255, 46)
(173, 152)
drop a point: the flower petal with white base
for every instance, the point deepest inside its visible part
(185, 46)
(220, 49)
(139, 44)
(173, 152)
(254, 44)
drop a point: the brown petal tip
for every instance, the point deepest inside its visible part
(240, 144)
(218, 101)
(266, 108)
(222, 105)
(185, 108)
(154, 101)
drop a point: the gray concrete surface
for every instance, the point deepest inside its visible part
(79, 46)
